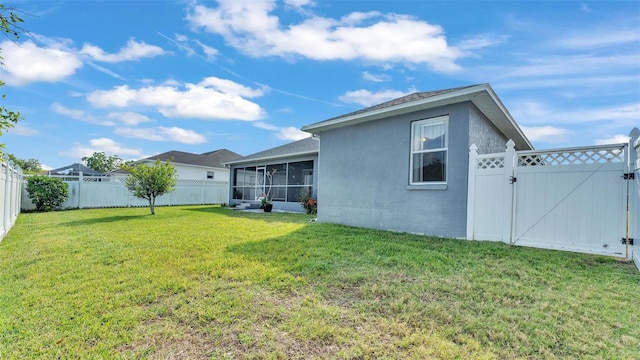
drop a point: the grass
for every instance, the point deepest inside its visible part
(207, 282)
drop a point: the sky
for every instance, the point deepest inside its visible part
(139, 78)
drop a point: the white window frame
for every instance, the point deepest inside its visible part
(440, 120)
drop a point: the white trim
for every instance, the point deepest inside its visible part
(482, 96)
(444, 120)
(275, 157)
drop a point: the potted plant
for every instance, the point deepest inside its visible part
(265, 204)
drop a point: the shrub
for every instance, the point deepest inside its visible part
(308, 202)
(47, 193)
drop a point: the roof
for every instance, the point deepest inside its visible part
(307, 146)
(481, 95)
(214, 158)
(74, 169)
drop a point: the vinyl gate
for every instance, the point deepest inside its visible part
(569, 199)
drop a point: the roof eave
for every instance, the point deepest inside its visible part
(276, 157)
(501, 117)
(187, 164)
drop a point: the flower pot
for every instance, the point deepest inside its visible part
(268, 207)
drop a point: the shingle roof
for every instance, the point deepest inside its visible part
(301, 147)
(482, 96)
(214, 158)
(73, 169)
(401, 100)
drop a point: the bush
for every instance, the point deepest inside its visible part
(308, 202)
(47, 193)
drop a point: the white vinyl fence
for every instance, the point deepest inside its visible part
(10, 192)
(634, 192)
(584, 199)
(104, 192)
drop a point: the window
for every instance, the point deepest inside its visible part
(429, 143)
(210, 175)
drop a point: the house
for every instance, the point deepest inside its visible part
(281, 173)
(189, 166)
(402, 165)
(74, 170)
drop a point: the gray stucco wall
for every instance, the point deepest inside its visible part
(277, 205)
(364, 176)
(484, 134)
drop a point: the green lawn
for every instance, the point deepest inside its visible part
(208, 282)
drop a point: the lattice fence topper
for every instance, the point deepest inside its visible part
(573, 157)
(496, 162)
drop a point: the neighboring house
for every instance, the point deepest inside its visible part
(281, 172)
(74, 170)
(402, 165)
(189, 166)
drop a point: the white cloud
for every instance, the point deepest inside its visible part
(373, 37)
(133, 50)
(263, 125)
(548, 134)
(533, 112)
(481, 41)
(615, 139)
(598, 38)
(298, 4)
(286, 133)
(375, 78)
(211, 52)
(367, 98)
(22, 130)
(130, 118)
(162, 133)
(80, 115)
(106, 145)
(26, 63)
(211, 99)
(292, 133)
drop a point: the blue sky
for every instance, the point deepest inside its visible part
(135, 79)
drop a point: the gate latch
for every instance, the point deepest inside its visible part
(512, 179)
(629, 176)
(627, 241)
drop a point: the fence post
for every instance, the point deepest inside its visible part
(80, 180)
(634, 191)
(471, 192)
(7, 192)
(509, 188)
(12, 198)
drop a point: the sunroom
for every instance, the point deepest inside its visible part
(280, 174)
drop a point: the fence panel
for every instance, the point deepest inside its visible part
(571, 199)
(103, 192)
(10, 194)
(487, 202)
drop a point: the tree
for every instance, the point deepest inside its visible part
(149, 182)
(10, 26)
(102, 162)
(47, 193)
(30, 166)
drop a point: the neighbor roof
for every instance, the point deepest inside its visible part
(74, 169)
(214, 158)
(482, 96)
(307, 146)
